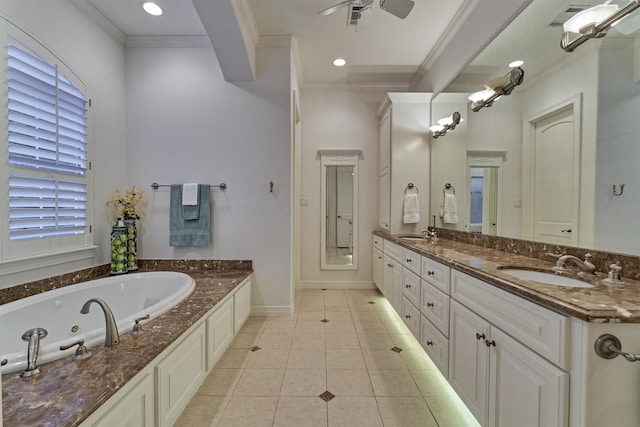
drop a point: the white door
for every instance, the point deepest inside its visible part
(555, 178)
(344, 185)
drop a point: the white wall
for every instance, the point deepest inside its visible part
(338, 119)
(618, 151)
(186, 124)
(99, 61)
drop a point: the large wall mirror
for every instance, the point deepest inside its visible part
(339, 210)
(567, 139)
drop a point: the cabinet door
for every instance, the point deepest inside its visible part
(220, 332)
(435, 307)
(469, 359)
(179, 375)
(134, 409)
(526, 390)
(435, 344)
(392, 288)
(411, 286)
(378, 263)
(385, 143)
(242, 305)
(384, 208)
(411, 317)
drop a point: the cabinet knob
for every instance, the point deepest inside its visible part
(480, 336)
(429, 304)
(390, 265)
(429, 342)
(407, 286)
(379, 257)
(491, 343)
(430, 273)
(408, 259)
(407, 316)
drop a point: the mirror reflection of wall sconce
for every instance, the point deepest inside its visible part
(496, 88)
(446, 124)
(593, 23)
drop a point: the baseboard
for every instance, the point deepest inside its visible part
(272, 310)
(310, 284)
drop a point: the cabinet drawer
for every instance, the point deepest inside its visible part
(412, 261)
(437, 274)
(537, 327)
(435, 307)
(393, 250)
(436, 345)
(411, 317)
(411, 287)
(378, 242)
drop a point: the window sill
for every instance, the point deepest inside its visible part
(23, 264)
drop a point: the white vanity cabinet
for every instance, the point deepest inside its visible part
(434, 306)
(392, 274)
(492, 365)
(403, 158)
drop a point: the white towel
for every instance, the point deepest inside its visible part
(411, 208)
(450, 209)
(189, 194)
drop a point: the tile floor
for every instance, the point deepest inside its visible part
(329, 364)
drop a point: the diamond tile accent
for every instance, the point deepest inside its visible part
(324, 320)
(396, 349)
(324, 289)
(372, 302)
(255, 348)
(327, 396)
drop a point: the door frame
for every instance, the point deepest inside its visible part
(528, 163)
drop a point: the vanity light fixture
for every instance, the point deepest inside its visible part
(496, 88)
(446, 124)
(152, 8)
(593, 23)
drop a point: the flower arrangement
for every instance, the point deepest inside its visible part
(128, 205)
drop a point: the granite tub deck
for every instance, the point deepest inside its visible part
(67, 392)
(602, 303)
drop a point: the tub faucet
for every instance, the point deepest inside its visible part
(33, 336)
(111, 337)
(586, 267)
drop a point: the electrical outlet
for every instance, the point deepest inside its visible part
(304, 202)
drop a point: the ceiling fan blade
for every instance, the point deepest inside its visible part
(365, 18)
(330, 10)
(399, 8)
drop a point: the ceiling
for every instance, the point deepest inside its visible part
(386, 54)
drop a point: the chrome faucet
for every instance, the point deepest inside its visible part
(586, 267)
(429, 234)
(111, 337)
(33, 336)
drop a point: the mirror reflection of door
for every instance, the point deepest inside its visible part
(483, 200)
(339, 238)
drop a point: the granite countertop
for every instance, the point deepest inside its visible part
(602, 303)
(67, 392)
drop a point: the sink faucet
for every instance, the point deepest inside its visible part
(111, 337)
(586, 267)
(33, 336)
(429, 234)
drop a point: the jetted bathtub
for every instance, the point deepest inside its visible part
(129, 296)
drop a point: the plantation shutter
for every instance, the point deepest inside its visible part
(48, 147)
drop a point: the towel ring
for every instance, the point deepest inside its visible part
(411, 186)
(448, 186)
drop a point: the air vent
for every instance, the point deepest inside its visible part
(568, 13)
(354, 14)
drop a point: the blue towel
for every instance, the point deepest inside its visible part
(189, 232)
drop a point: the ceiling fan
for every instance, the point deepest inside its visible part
(360, 10)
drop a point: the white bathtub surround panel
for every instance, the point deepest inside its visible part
(129, 296)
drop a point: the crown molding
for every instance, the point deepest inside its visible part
(275, 41)
(364, 86)
(96, 16)
(168, 41)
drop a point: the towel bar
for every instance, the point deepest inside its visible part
(155, 186)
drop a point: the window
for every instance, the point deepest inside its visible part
(47, 157)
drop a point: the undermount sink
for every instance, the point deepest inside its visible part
(416, 238)
(545, 277)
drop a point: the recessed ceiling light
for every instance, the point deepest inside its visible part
(516, 63)
(339, 62)
(152, 8)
